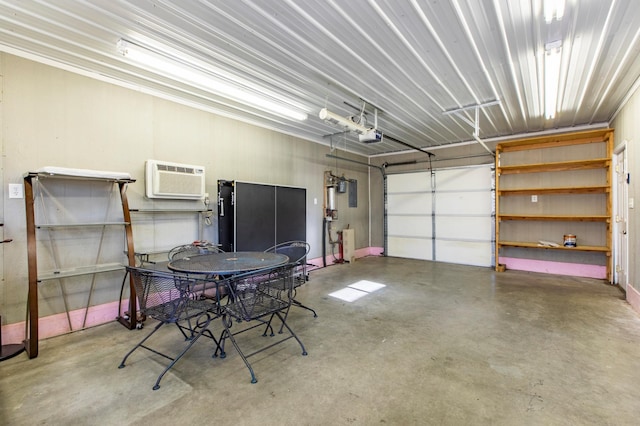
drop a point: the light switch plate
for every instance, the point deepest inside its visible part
(631, 203)
(15, 190)
(534, 198)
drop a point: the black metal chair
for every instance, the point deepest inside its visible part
(297, 251)
(196, 249)
(171, 299)
(256, 299)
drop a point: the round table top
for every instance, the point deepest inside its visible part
(227, 263)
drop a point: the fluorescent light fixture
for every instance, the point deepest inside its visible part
(191, 75)
(552, 58)
(334, 118)
(553, 9)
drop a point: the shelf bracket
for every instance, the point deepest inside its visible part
(473, 123)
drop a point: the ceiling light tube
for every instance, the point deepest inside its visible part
(334, 118)
(552, 59)
(208, 82)
(553, 9)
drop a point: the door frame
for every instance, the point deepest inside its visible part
(620, 212)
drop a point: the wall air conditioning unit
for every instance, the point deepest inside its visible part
(174, 180)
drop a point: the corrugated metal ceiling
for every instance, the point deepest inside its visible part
(412, 60)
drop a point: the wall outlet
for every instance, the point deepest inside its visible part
(15, 190)
(534, 198)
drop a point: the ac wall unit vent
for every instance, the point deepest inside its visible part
(174, 181)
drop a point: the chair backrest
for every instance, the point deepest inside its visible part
(259, 293)
(157, 293)
(163, 296)
(296, 250)
(188, 250)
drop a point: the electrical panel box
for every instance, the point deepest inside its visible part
(342, 186)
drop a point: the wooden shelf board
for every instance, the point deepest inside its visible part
(552, 141)
(600, 249)
(599, 189)
(594, 163)
(552, 217)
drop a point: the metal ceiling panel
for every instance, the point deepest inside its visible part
(411, 61)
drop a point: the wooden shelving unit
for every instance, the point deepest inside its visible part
(541, 167)
(37, 184)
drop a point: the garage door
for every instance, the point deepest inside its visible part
(447, 216)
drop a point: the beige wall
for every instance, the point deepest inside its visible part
(627, 129)
(51, 117)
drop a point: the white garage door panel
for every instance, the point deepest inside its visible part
(409, 182)
(477, 254)
(463, 223)
(463, 202)
(471, 178)
(416, 203)
(409, 226)
(464, 228)
(411, 248)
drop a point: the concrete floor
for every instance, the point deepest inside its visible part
(440, 344)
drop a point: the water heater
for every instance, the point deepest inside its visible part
(331, 198)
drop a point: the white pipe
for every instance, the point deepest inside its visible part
(483, 144)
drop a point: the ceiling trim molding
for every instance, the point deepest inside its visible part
(627, 98)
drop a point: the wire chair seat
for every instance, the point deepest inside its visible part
(173, 299)
(256, 299)
(297, 251)
(175, 312)
(257, 296)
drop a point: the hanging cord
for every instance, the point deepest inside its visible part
(332, 242)
(208, 214)
(363, 118)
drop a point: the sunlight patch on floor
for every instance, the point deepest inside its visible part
(356, 290)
